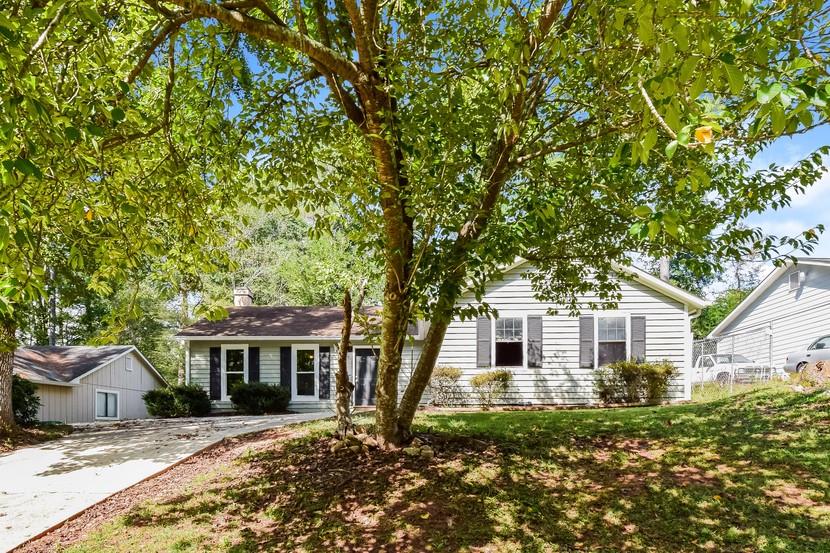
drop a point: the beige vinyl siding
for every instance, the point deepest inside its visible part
(73, 404)
(560, 380)
(795, 318)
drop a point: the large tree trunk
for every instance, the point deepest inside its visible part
(398, 248)
(7, 346)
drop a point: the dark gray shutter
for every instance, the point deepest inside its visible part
(253, 364)
(638, 338)
(586, 342)
(534, 341)
(483, 332)
(285, 367)
(325, 372)
(216, 373)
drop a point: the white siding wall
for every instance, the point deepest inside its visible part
(77, 403)
(269, 368)
(269, 359)
(796, 318)
(561, 380)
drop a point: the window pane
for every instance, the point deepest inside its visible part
(100, 404)
(112, 405)
(508, 354)
(609, 352)
(305, 384)
(305, 360)
(509, 330)
(234, 360)
(233, 380)
(611, 329)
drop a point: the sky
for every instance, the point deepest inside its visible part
(808, 209)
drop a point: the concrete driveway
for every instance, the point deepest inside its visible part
(43, 485)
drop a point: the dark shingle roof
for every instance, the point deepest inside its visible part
(260, 320)
(62, 363)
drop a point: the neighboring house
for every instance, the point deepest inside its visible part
(552, 357)
(87, 384)
(785, 313)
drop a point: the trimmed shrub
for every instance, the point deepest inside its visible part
(491, 386)
(186, 400)
(633, 381)
(25, 401)
(258, 398)
(444, 388)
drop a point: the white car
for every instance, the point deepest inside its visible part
(719, 367)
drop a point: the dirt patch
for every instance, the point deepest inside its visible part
(27, 436)
(790, 495)
(160, 488)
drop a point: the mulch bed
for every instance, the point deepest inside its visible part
(158, 488)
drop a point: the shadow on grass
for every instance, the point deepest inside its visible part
(748, 473)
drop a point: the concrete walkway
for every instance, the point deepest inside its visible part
(43, 485)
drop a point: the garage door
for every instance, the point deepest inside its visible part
(366, 376)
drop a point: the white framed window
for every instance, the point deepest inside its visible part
(613, 339)
(305, 360)
(234, 367)
(509, 342)
(128, 363)
(107, 405)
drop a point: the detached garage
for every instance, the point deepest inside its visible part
(88, 384)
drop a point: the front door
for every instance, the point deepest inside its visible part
(365, 376)
(304, 377)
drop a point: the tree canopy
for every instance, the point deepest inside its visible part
(454, 135)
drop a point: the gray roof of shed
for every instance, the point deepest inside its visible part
(63, 364)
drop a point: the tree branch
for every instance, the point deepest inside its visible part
(654, 111)
(44, 36)
(171, 27)
(333, 61)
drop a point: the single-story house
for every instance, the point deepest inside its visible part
(786, 312)
(88, 384)
(552, 356)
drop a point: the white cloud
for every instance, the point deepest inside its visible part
(818, 193)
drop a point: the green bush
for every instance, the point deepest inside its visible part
(25, 401)
(444, 388)
(258, 398)
(186, 400)
(491, 386)
(634, 382)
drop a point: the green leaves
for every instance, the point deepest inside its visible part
(27, 167)
(736, 78)
(768, 92)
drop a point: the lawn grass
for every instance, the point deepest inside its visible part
(31, 435)
(744, 473)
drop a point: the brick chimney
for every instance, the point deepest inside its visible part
(242, 297)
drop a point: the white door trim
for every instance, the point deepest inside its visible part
(224, 362)
(305, 347)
